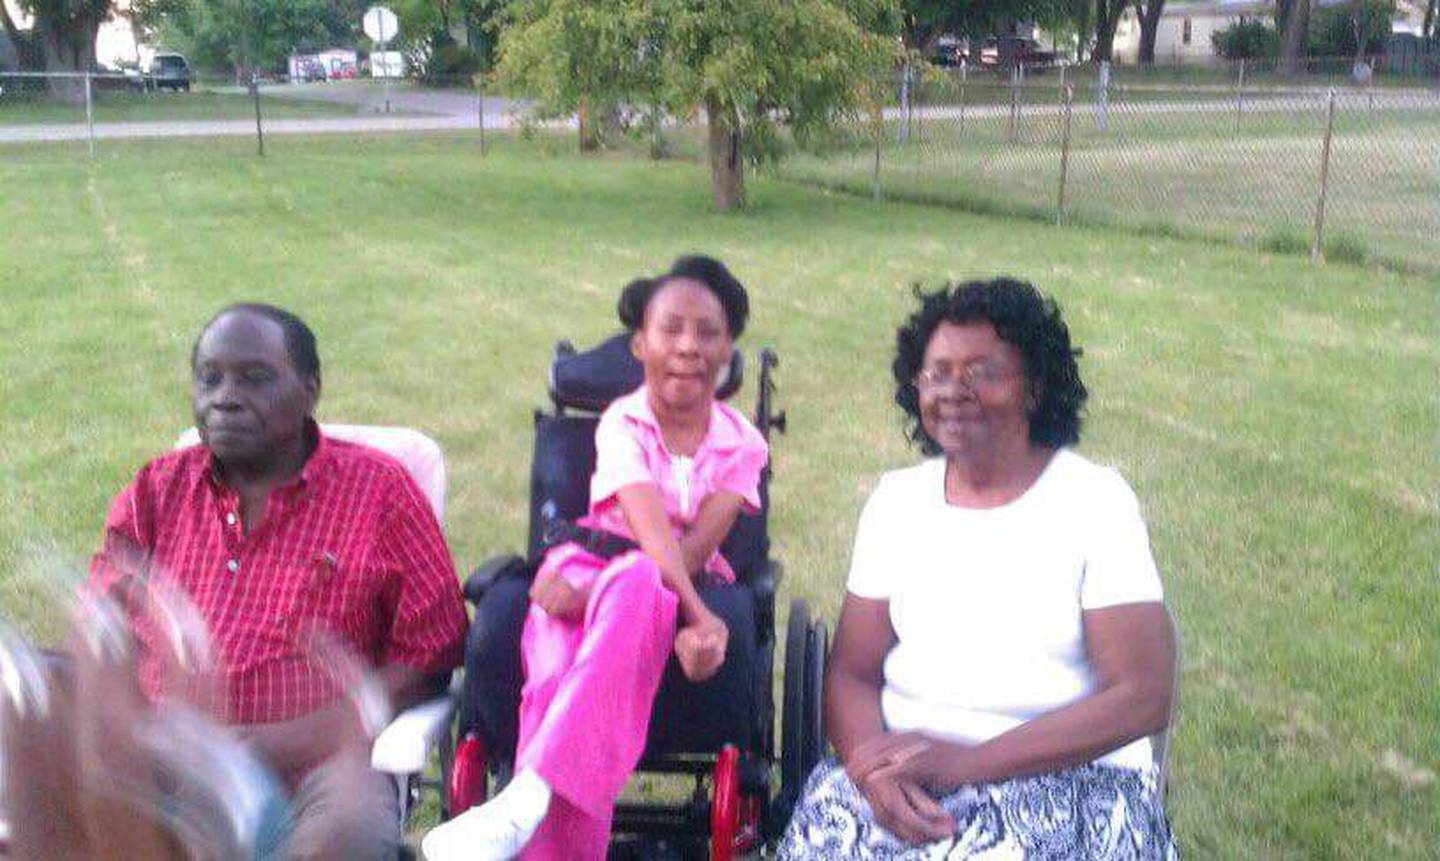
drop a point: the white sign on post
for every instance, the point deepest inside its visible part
(381, 25)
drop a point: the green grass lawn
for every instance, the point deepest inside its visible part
(1278, 420)
(1200, 171)
(164, 106)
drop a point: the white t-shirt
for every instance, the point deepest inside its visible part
(987, 603)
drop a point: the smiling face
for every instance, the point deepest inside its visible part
(973, 398)
(683, 344)
(250, 402)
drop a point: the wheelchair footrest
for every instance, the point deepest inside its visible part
(663, 819)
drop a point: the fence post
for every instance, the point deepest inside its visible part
(877, 117)
(1316, 254)
(1102, 97)
(481, 117)
(1239, 94)
(259, 130)
(1068, 96)
(89, 114)
(1013, 133)
(902, 131)
(964, 71)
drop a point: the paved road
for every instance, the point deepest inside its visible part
(442, 110)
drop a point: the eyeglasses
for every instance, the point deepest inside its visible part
(969, 376)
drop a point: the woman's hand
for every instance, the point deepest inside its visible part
(554, 594)
(700, 646)
(906, 756)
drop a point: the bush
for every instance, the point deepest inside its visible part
(1332, 28)
(451, 63)
(1246, 40)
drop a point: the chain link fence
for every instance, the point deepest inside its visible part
(1347, 173)
(88, 109)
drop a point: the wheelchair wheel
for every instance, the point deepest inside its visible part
(800, 738)
(467, 785)
(812, 743)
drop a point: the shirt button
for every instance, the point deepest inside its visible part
(230, 518)
(233, 565)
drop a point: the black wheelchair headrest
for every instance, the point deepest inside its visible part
(592, 379)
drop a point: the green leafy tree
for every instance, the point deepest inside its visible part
(244, 34)
(1352, 29)
(62, 36)
(752, 66)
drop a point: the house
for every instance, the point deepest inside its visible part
(1185, 27)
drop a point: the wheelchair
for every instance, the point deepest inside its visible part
(720, 732)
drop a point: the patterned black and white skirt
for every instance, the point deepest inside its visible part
(1096, 812)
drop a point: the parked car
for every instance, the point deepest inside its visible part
(168, 72)
(1004, 52)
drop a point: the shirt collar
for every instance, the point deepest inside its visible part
(320, 462)
(722, 434)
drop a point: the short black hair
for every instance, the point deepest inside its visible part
(299, 340)
(1022, 316)
(636, 296)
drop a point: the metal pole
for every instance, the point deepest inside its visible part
(384, 52)
(878, 119)
(1239, 94)
(902, 131)
(1102, 96)
(482, 119)
(259, 129)
(1013, 132)
(89, 114)
(1069, 96)
(1316, 254)
(964, 72)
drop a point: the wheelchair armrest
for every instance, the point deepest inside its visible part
(404, 746)
(492, 569)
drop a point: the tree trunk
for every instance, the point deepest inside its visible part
(1149, 28)
(1432, 9)
(1107, 16)
(589, 129)
(1292, 39)
(727, 170)
(67, 43)
(1357, 20)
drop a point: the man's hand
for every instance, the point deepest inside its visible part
(700, 646)
(554, 594)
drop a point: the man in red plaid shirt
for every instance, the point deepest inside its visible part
(274, 530)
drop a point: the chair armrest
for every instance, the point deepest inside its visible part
(492, 569)
(404, 746)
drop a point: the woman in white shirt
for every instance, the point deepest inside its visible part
(1003, 652)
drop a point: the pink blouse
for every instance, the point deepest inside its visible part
(629, 449)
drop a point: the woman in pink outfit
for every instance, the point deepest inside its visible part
(674, 468)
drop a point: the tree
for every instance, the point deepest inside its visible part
(752, 65)
(1247, 39)
(1429, 29)
(1107, 17)
(64, 34)
(1294, 30)
(245, 34)
(1352, 30)
(1149, 15)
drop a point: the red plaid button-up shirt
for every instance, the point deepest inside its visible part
(350, 545)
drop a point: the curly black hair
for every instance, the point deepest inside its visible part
(1022, 316)
(636, 296)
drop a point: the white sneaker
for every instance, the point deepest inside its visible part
(496, 830)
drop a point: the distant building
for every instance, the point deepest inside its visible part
(332, 64)
(1183, 35)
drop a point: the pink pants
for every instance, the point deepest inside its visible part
(590, 684)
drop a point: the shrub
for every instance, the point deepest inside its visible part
(1332, 28)
(1246, 39)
